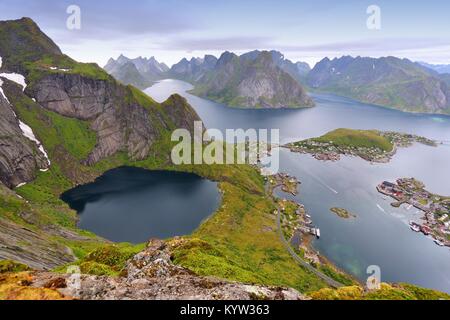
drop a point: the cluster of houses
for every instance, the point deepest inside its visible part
(328, 151)
(435, 207)
(392, 189)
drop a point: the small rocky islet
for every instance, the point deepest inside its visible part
(342, 213)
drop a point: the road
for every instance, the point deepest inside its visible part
(331, 282)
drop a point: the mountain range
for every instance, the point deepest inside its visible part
(140, 72)
(263, 79)
(388, 81)
(255, 79)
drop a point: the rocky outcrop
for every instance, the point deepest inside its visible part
(151, 275)
(180, 113)
(121, 123)
(32, 248)
(19, 157)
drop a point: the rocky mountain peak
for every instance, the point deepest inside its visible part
(31, 45)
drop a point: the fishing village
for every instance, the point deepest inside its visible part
(436, 209)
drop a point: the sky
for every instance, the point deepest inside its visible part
(302, 30)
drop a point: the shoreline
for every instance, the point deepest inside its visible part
(435, 208)
(331, 151)
(300, 225)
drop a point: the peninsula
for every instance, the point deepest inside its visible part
(436, 208)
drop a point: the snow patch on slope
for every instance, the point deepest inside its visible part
(15, 77)
(26, 130)
(28, 133)
(59, 69)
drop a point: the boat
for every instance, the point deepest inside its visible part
(414, 226)
(317, 233)
(439, 243)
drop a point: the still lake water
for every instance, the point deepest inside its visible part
(380, 234)
(133, 205)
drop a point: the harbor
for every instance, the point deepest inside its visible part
(298, 231)
(436, 209)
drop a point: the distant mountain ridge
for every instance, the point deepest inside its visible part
(193, 70)
(255, 82)
(254, 79)
(248, 80)
(387, 81)
(140, 72)
(439, 68)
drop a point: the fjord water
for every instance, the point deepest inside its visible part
(133, 205)
(380, 234)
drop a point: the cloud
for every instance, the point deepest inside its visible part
(102, 19)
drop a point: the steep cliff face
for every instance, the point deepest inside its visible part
(120, 123)
(19, 156)
(123, 118)
(252, 82)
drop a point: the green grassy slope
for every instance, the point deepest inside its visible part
(357, 138)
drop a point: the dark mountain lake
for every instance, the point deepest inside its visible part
(133, 205)
(380, 234)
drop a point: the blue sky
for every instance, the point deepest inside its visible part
(302, 30)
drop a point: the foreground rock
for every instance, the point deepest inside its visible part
(151, 275)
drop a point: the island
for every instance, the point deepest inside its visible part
(343, 213)
(370, 145)
(436, 208)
